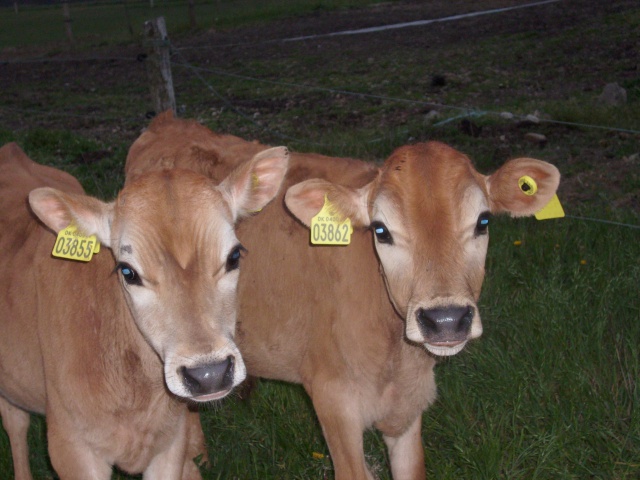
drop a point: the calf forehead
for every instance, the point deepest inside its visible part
(430, 182)
(172, 213)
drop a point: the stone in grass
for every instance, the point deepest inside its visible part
(431, 117)
(536, 138)
(613, 95)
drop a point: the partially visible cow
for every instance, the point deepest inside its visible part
(360, 325)
(110, 350)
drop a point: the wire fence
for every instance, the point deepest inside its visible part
(205, 74)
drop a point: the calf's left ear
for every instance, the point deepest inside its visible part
(253, 184)
(522, 186)
(57, 210)
(306, 199)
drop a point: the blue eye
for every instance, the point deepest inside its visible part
(233, 259)
(381, 232)
(130, 276)
(482, 224)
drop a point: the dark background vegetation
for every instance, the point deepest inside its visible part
(551, 389)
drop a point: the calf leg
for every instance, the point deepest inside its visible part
(341, 421)
(170, 463)
(406, 453)
(16, 424)
(71, 459)
(196, 448)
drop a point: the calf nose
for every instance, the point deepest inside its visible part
(210, 378)
(446, 325)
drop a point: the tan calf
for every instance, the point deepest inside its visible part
(109, 350)
(360, 325)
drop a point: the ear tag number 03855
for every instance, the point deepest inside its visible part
(73, 245)
(328, 227)
(553, 209)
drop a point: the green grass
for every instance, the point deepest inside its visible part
(550, 391)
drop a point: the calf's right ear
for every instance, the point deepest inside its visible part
(57, 210)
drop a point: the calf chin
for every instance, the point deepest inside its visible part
(445, 351)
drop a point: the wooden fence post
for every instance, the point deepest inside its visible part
(158, 65)
(67, 20)
(192, 14)
(128, 18)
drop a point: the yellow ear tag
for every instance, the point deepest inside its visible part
(255, 181)
(73, 245)
(553, 209)
(329, 228)
(528, 185)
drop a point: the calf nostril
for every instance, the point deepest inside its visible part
(227, 380)
(464, 324)
(444, 324)
(426, 321)
(209, 378)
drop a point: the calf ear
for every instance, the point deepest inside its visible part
(58, 210)
(506, 194)
(307, 198)
(253, 184)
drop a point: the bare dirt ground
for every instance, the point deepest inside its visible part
(28, 87)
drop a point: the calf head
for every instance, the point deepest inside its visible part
(428, 210)
(172, 235)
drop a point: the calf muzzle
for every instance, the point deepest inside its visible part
(445, 326)
(208, 380)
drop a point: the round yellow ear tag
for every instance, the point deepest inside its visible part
(528, 185)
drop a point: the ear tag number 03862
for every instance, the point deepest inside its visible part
(328, 227)
(553, 209)
(73, 245)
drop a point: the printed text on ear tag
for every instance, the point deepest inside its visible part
(329, 228)
(73, 245)
(553, 209)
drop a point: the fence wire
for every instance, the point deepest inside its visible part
(461, 112)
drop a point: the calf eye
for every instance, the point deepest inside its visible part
(130, 276)
(482, 225)
(233, 259)
(381, 232)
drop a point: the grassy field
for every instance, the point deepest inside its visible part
(100, 23)
(550, 391)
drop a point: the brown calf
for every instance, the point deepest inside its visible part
(359, 326)
(86, 344)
